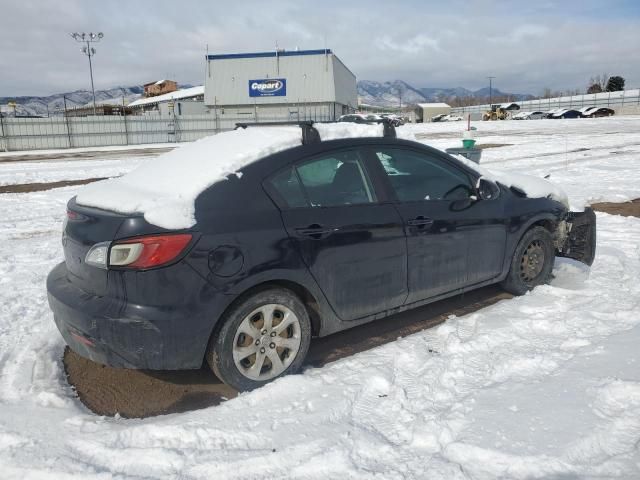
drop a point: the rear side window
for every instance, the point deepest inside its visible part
(287, 187)
(336, 179)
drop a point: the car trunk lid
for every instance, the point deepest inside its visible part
(85, 227)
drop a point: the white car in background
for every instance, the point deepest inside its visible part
(535, 115)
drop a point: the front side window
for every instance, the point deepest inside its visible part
(336, 179)
(415, 176)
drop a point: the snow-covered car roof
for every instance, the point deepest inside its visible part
(164, 189)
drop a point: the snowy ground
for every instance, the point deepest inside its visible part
(22, 172)
(542, 386)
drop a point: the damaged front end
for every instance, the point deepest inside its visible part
(576, 236)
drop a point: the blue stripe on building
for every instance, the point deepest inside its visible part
(269, 54)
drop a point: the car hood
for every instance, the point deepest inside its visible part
(534, 187)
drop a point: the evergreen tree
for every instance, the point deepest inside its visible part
(615, 84)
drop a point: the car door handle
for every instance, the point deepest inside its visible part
(315, 231)
(420, 222)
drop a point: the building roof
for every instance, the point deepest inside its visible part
(434, 105)
(274, 53)
(178, 94)
(159, 82)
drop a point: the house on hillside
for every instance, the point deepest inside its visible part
(160, 87)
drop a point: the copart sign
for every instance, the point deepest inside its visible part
(268, 87)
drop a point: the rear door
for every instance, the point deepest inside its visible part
(352, 242)
(453, 239)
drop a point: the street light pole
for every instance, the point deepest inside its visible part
(490, 92)
(89, 51)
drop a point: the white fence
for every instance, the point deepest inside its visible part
(98, 131)
(624, 102)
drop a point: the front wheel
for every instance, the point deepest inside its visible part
(532, 262)
(263, 337)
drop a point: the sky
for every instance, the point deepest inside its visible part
(527, 45)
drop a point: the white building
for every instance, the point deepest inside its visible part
(187, 101)
(425, 111)
(279, 86)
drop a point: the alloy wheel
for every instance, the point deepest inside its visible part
(266, 342)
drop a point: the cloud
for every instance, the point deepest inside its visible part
(526, 45)
(412, 45)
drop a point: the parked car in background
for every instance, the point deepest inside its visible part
(566, 113)
(361, 118)
(353, 118)
(443, 117)
(180, 261)
(394, 119)
(596, 112)
(535, 115)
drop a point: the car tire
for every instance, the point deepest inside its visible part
(244, 350)
(532, 262)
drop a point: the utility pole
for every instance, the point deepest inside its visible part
(89, 51)
(490, 92)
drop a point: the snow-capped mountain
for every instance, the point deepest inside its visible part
(54, 104)
(387, 94)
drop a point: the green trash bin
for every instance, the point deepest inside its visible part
(468, 143)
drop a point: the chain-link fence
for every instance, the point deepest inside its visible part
(623, 102)
(97, 131)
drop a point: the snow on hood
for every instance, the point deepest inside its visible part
(534, 187)
(164, 189)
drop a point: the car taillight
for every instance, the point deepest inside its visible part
(149, 251)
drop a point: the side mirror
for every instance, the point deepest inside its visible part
(487, 189)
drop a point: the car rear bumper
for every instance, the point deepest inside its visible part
(113, 332)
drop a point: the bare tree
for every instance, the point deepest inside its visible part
(598, 83)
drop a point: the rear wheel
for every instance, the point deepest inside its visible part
(532, 262)
(265, 336)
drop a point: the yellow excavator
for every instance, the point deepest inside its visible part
(496, 113)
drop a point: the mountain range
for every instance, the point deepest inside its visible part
(54, 104)
(389, 94)
(379, 94)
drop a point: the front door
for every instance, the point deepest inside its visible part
(453, 240)
(353, 245)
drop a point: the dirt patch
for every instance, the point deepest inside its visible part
(38, 187)
(484, 146)
(626, 209)
(92, 155)
(138, 394)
